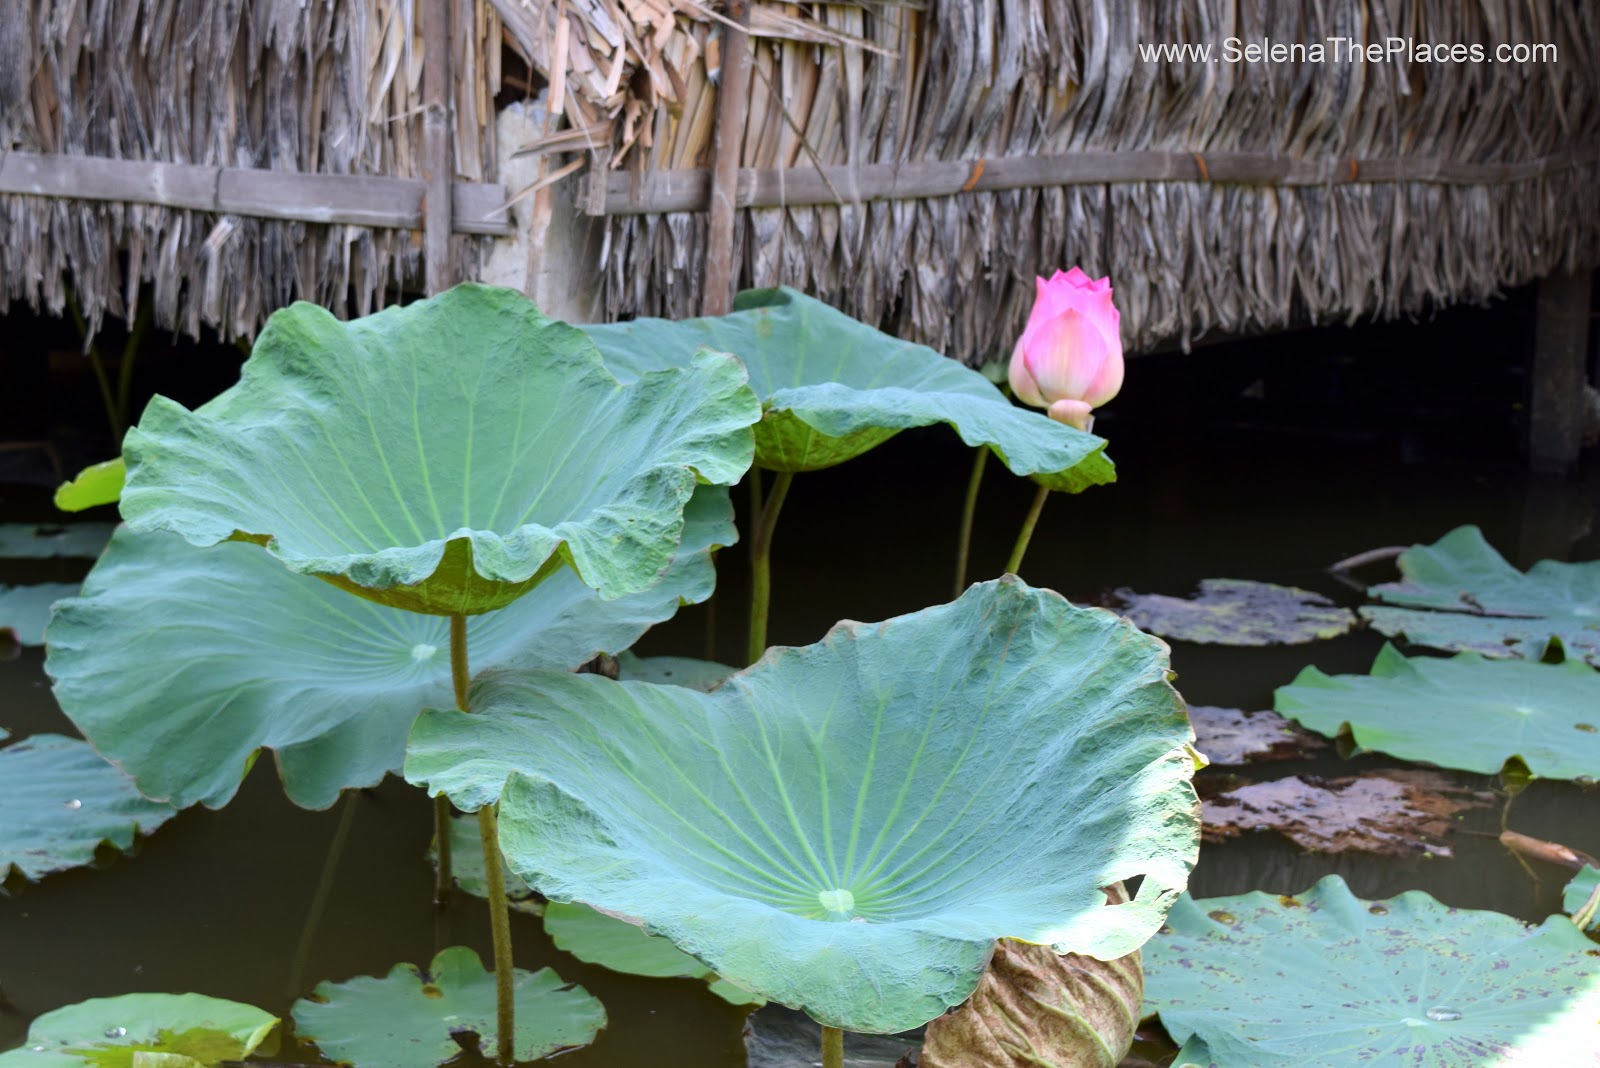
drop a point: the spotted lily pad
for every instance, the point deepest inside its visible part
(25, 610)
(849, 827)
(1233, 736)
(1465, 712)
(143, 1031)
(181, 663)
(95, 485)
(1236, 612)
(22, 541)
(443, 457)
(1326, 979)
(1390, 813)
(59, 801)
(832, 388)
(1581, 899)
(1460, 594)
(595, 938)
(416, 1019)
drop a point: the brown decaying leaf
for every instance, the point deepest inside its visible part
(1391, 813)
(1036, 1007)
(1232, 736)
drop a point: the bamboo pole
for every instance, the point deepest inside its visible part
(720, 276)
(438, 157)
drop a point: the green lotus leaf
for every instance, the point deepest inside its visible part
(37, 541)
(25, 610)
(143, 1031)
(411, 1019)
(95, 485)
(466, 868)
(180, 663)
(1465, 712)
(1326, 979)
(1581, 898)
(59, 800)
(1480, 602)
(595, 938)
(848, 827)
(673, 671)
(1236, 612)
(833, 388)
(443, 457)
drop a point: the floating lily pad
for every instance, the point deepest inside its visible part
(1390, 813)
(143, 1031)
(1234, 736)
(1465, 712)
(704, 675)
(180, 663)
(1460, 594)
(1581, 897)
(595, 938)
(23, 541)
(25, 610)
(849, 827)
(443, 457)
(1326, 979)
(412, 1019)
(59, 800)
(833, 388)
(1236, 612)
(95, 485)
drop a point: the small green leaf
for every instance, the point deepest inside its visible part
(703, 675)
(95, 485)
(1581, 899)
(143, 1031)
(25, 610)
(417, 1019)
(59, 800)
(443, 457)
(595, 938)
(24, 541)
(1236, 612)
(832, 388)
(466, 867)
(1465, 712)
(1326, 979)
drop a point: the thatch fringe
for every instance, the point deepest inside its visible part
(966, 80)
(317, 87)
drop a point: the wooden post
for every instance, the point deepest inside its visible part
(1558, 375)
(438, 152)
(732, 104)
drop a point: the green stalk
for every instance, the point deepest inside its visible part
(832, 1047)
(489, 832)
(1026, 534)
(130, 352)
(765, 519)
(969, 510)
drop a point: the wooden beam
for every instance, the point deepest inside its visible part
(1559, 372)
(438, 151)
(720, 194)
(353, 199)
(652, 192)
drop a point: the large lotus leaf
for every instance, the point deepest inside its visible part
(36, 541)
(180, 663)
(25, 610)
(1237, 612)
(95, 485)
(1329, 980)
(848, 827)
(1482, 603)
(832, 388)
(443, 457)
(1465, 712)
(410, 1019)
(143, 1031)
(59, 800)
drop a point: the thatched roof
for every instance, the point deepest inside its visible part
(1288, 192)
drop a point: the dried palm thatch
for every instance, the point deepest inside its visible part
(284, 85)
(1298, 234)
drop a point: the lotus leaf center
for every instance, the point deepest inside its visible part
(423, 651)
(837, 901)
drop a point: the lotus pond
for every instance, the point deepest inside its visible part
(849, 826)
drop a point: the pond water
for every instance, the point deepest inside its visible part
(226, 903)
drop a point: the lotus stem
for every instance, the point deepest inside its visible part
(500, 924)
(460, 674)
(1014, 565)
(969, 510)
(832, 1047)
(765, 518)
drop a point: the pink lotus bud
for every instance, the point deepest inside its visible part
(1069, 358)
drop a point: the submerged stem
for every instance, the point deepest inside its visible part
(832, 1047)
(1026, 534)
(969, 510)
(765, 519)
(500, 925)
(319, 898)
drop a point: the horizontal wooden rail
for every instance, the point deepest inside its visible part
(356, 199)
(650, 192)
